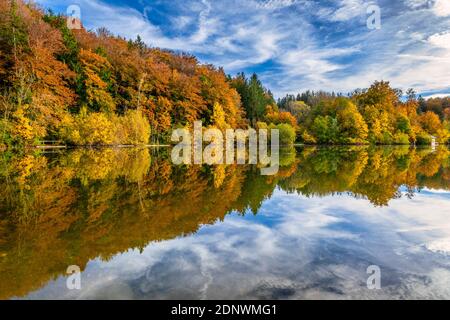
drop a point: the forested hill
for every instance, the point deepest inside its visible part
(60, 83)
(85, 87)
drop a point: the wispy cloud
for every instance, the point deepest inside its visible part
(348, 9)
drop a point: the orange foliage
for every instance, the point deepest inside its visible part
(430, 122)
(277, 117)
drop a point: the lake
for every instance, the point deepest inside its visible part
(139, 227)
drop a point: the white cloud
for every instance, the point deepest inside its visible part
(417, 4)
(206, 26)
(349, 9)
(438, 95)
(442, 8)
(441, 40)
(275, 4)
(440, 246)
(181, 22)
(311, 66)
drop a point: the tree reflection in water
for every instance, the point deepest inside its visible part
(68, 208)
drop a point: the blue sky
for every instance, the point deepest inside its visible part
(293, 45)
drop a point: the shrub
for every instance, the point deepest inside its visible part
(401, 138)
(88, 129)
(133, 128)
(99, 129)
(262, 125)
(443, 136)
(423, 139)
(387, 138)
(23, 130)
(287, 134)
(307, 138)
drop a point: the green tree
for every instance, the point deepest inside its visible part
(403, 124)
(325, 130)
(255, 98)
(287, 134)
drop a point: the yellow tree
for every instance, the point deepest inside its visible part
(430, 122)
(352, 127)
(218, 118)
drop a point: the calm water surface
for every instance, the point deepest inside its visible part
(140, 228)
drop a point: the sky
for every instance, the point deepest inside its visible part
(293, 45)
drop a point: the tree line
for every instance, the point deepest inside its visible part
(86, 87)
(377, 115)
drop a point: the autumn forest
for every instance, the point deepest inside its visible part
(81, 87)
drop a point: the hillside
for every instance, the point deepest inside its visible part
(60, 83)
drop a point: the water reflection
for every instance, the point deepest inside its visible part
(142, 228)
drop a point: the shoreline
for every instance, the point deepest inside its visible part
(61, 147)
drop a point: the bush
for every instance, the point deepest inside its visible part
(99, 129)
(23, 130)
(423, 139)
(387, 138)
(307, 138)
(287, 134)
(88, 129)
(401, 138)
(133, 128)
(443, 136)
(262, 125)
